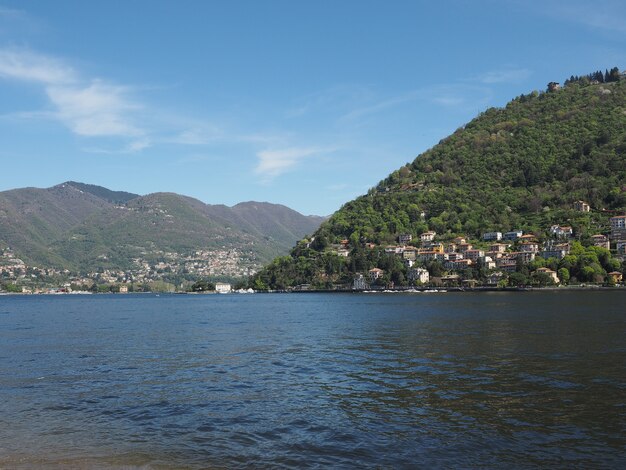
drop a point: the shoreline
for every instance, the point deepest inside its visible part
(404, 290)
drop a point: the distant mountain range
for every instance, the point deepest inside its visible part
(83, 227)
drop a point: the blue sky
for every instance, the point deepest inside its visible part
(306, 104)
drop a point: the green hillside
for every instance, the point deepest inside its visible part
(87, 228)
(517, 167)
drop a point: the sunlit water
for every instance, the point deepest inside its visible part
(314, 380)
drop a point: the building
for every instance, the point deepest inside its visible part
(428, 236)
(123, 289)
(222, 288)
(618, 227)
(616, 277)
(530, 247)
(489, 263)
(561, 231)
(559, 251)
(581, 206)
(457, 265)
(405, 238)
(621, 247)
(528, 237)
(490, 236)
(375, 274)
(474, 255)
(601, 241)
(498, 248)
(550, 273)
(512, 235)
(418, 275)
(359, 283)
(463, 247)
(494, 278)
(554, 86)
(525, 257)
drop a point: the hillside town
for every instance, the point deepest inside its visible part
(497, 255)
(166, 271)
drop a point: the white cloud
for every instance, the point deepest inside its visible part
(97, 109)
(21, 64)
(273, 163)
(88, 107)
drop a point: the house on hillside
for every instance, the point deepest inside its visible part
(359, 283)
(474, 255)
(418, 274)
(581, 206)
(558, 251)
(512, 235)
(554, 86)
(561, 231)
(428, 236)
(498, 248)
(405, 238)
(550, 273)
(531, 247)
(601, 240)
(491, 236)
(375, 274)
(616, 277)
(494, 278)
(618, 227)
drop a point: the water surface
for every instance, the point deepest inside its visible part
(451, 380)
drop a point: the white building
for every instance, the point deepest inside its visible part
(489, 236)
(419, 274)
(222, 288)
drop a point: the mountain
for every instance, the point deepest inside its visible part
(84, 227)
(517, 167)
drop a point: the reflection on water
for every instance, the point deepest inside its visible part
(310, 380)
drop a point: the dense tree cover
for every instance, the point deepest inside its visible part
(202, 285)
(517, 167)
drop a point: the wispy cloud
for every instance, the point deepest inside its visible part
(446, 95)
(98, 109)
(88, 107)
(21, 64)
(273, 163)
(380, 106)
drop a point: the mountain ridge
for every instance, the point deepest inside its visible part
(76, 226)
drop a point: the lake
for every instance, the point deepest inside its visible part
(454, 380)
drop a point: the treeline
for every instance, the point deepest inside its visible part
(608, 76)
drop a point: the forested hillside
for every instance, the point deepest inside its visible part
(517, 167)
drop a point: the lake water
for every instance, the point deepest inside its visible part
(456, 380)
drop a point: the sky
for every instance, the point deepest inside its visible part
(306, 104)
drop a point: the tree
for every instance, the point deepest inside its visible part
(518, 279)
(564, 275)
(203, 286)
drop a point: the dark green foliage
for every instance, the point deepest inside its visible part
(521, 166)
(202, 286)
